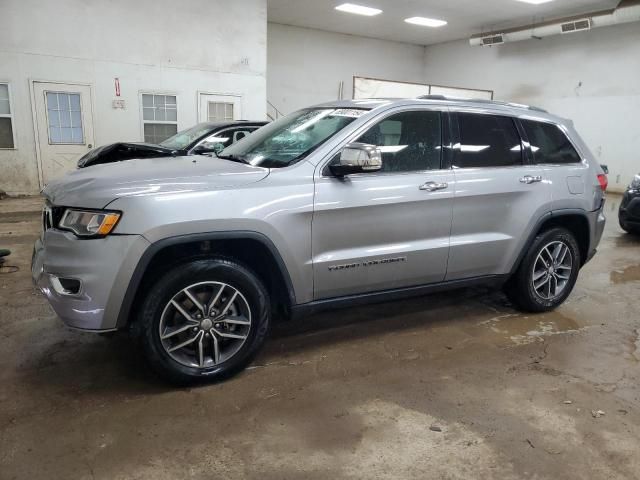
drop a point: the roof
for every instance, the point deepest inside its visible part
(233, 123)
(510, 108)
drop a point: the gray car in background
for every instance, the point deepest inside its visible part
(333, 205)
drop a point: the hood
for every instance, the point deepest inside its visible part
(97, 186)
(116, 152)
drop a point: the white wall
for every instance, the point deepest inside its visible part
(164, 45)
(305, 66)
(591, 77)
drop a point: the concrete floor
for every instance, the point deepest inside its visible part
(358, 393)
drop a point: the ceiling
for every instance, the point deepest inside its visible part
(465, 17)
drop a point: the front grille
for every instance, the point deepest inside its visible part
(47, 218)
(51, 216)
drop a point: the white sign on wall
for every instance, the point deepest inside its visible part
(364, 87)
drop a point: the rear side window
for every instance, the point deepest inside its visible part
(549, 144)
(487, 141)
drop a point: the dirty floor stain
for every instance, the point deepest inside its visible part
(456, 385)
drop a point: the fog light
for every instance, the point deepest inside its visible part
(65, 286)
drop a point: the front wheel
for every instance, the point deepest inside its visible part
(548, 272)
(204, 320)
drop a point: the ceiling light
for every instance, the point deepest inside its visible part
(358, 9)
(425, 22)
(535, 2)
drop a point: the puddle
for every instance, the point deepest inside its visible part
(521, 330)
(627, 274)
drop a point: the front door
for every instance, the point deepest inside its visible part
(498, 194)
(388, 229)
(219, 108)
(64, 126)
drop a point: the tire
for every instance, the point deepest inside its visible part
(538, 269)
(228, 324)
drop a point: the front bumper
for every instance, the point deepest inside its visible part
(629, 211)
(103, 267)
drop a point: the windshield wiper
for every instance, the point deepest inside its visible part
(233, 158)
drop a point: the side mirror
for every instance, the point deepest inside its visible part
(357, 158)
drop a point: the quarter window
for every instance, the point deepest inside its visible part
(487, 141)
(549, 144)
(6, 118)
(159, 117)
(410, 141)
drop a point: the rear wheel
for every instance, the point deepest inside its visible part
(548, 272)
(204, 320)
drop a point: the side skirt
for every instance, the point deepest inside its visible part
(305, 309)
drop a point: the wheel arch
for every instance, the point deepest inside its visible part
(574, 220)
(253, 249)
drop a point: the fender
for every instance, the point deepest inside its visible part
(534, 232)
(154, 248)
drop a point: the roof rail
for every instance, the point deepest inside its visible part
(480, 100)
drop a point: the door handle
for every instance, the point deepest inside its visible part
(528, 179)
(433, 186)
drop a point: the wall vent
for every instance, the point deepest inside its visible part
(575, 26)
(492, 40)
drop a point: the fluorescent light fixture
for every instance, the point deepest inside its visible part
(425, 22)
(535, 2)
(358, 9)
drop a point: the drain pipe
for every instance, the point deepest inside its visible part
(627, 11)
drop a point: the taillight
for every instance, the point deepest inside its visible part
(603, 181)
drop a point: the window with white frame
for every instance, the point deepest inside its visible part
(6, 118)
(219, 111)
(159, 117)
(64, 116)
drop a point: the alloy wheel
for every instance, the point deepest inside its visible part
(205, 324)
(552, 270)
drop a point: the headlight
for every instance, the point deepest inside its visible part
(88, 224)
(635, 184)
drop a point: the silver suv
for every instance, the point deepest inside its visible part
(333, 205)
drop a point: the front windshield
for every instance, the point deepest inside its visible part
(184, 138)
(291, 138)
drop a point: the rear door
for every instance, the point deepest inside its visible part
(499, 194)
(569, 177)
(387, 229)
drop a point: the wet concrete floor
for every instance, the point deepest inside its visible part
(447, 386)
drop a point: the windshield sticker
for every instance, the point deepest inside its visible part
(348, 112)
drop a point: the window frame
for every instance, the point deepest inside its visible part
(47, 117)
(562, 128)
(222, 131)
(527, 159)
(445, 137)
(10, 116)
(163, 122)
(222, 102)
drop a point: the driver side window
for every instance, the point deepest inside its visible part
(221, 140)
(409, 141)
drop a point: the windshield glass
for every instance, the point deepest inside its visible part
(184, 138)
(291, 138)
